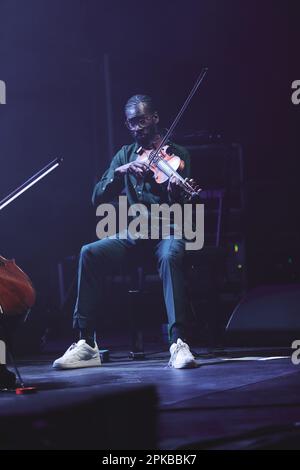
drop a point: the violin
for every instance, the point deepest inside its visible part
(164, 164)
(161, 160)
(17, 294)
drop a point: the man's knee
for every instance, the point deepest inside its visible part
(85, 251)
(90, 251)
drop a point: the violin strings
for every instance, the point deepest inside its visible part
(186, 185)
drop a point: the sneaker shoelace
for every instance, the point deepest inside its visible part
(73, 346)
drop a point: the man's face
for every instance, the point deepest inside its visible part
(142, 123)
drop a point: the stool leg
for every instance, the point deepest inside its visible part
(137, 340)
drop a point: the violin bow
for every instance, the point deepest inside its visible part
(180, 113)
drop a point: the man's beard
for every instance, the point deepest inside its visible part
(144, 137)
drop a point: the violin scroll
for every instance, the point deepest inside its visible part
(192, 190)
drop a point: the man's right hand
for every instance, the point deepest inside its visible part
(137, 169)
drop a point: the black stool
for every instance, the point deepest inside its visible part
(136, 294)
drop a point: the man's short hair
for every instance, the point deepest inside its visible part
(137, 99)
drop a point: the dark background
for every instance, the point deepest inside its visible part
(52, 55)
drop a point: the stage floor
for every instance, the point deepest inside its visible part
(236, 398)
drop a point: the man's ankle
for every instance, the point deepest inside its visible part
(177, 332)
(89, 337)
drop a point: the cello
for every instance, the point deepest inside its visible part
(17, 294)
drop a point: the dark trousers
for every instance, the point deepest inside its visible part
(104, 256)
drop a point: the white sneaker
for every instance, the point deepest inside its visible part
(78, 355)
(181, 356)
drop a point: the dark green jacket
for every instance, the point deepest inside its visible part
(146, 192)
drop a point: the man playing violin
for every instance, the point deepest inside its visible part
(99, 258)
